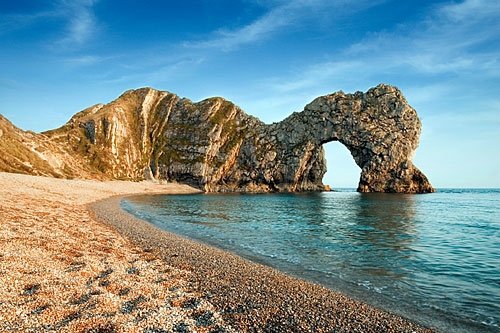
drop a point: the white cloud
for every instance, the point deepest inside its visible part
(85, 60)
(11, 84)
(451, 40)
(468, 10)
(80, 22)
(437, 63)
(13, 22)
(281, 14)
(257, 30)
(155, 74)
(435, 46)
(426, 93)
(317, 75)
(446, 42)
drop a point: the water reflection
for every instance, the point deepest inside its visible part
(386, 220)
(385, 226)
(436, 253)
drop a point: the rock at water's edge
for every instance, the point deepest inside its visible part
(215, 146)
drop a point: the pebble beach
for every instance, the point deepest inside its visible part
(71, 260)
(61, 270)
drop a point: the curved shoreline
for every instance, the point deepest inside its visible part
(252, 297)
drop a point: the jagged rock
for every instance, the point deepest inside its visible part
(379, 128)
(215, 146)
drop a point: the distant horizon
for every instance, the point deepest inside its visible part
(436, 188)
(270, 58)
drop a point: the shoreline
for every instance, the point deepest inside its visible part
(248, 295)
(63, 271)
(72, 260)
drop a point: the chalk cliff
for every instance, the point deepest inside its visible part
(215, 146)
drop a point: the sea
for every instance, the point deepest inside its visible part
(432, 258)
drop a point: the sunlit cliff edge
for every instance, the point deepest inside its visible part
(215, 146)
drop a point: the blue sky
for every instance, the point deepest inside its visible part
(271, 58)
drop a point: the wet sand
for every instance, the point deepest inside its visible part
(252, 297)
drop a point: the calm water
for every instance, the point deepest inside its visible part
(434, 258)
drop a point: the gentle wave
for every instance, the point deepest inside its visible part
(434, 258)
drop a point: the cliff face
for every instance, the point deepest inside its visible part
(215, 146)
(380, 129)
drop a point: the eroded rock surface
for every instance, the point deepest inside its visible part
(380, 129)
(215, 146)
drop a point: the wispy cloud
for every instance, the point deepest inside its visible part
(259, 29)
(80, 22)
(11, 84)
(438, 61)
(13, 22)
(86, 60)
(280, 15)
(480, 9)
(317, 75)
(155, 74)
(450, 41)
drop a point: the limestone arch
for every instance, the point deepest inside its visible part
(379, 128)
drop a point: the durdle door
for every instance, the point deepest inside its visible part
(215, 146)
(379, 127)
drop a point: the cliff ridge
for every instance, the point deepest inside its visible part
(215, 146)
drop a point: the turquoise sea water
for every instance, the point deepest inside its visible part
(434, 258)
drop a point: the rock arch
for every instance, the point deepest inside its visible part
(215, 146)
(379, 127)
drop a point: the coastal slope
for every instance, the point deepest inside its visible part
(36, 154)
(215, 146)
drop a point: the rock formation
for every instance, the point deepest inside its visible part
(215, 146)
(379, 128)
(32, 153)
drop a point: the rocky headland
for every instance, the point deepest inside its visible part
(214, 146)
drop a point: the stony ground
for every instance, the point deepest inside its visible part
(61, 270)
(70, 262)
(253, 297)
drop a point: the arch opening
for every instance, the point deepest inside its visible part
(342, 170)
